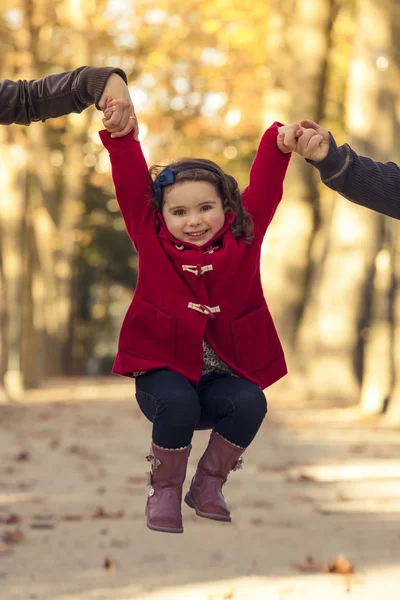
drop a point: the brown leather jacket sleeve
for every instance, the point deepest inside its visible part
(23, 102)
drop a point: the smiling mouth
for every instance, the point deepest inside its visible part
(197, 233)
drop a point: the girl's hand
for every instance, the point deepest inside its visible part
(120, 119)
(287, 137)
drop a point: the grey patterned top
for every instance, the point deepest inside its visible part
(211, 363)
(375, 185)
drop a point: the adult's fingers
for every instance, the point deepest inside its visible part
(308, 124)
(304, 140)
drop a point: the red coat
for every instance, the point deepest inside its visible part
(185, 292)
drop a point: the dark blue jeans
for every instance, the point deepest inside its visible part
(233, 407)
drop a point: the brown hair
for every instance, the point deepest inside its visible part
(226, 186)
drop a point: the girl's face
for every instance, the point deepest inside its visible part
(193, 211)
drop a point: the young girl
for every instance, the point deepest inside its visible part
(198, 335)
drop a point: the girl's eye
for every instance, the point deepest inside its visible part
(179, 212)
(206, 207)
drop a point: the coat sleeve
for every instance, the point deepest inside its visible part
(24, 102)
(131, 181)
(265, 188)
(360, 179)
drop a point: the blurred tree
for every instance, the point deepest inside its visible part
(392, 416)
(298, 44)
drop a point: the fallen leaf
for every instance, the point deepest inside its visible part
(23, 456)
(341, 566)
(310, 566)
(257, 521)
(11, 519)
(75, 449)
(136, 479)
(342, 497)
(5, 549)
(13, 537)
(109, 564)
(101, 513)
(301, 478)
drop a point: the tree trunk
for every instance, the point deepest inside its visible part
(286, 251)
(344, 320)
(373, 126)
(392, 417)
(12, 218)
(72, 203)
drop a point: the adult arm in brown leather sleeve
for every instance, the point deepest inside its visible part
(23, 102)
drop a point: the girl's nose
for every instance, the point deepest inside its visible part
(194, 220)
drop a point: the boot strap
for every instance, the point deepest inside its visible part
(155, 463)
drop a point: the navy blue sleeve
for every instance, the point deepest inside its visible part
(360, 179)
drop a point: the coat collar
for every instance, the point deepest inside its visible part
(165, 234)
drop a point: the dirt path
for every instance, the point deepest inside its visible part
(72, 494)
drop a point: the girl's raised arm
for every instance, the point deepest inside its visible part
(265, 188)
(131, 181)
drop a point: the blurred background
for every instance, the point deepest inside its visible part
(206, 79)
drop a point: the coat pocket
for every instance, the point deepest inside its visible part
(148, 332)
(255, 339)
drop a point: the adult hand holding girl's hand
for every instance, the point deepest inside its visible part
(119, 114)
(314, 142)
(308, 139)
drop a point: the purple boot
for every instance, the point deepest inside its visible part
(205, 493)
(164, 502)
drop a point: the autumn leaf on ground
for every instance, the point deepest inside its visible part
(341, 566)
(301, 478)
(310, 566)
(5, 549)
(11, 519)
(101, 513)
(135, 479)
(23, 456)
(258, 521)
(109, 564)
(342, 497)
(13, 537)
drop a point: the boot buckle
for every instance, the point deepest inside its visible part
(151, 492)
(238, 464)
